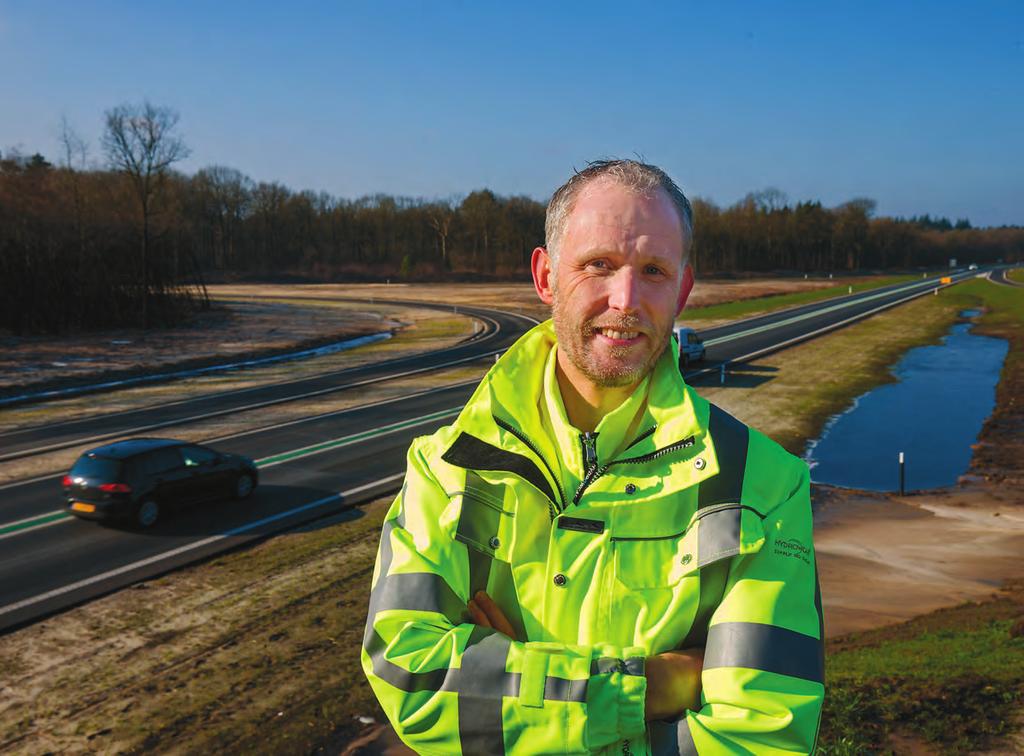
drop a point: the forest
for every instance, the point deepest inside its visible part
(129, 239)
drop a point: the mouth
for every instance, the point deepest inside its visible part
(618, 337)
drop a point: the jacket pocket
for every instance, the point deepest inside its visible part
(484, 525)
(715, 533)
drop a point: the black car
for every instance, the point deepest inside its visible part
(138, 479)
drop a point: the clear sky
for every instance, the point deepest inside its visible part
(917, 105)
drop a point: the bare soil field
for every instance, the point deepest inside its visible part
(258, 650)
(521, 297)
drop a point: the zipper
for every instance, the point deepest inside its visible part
(529, 445)
(598, 472)
(588, 444)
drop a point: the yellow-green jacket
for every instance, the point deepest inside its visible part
(696, 533)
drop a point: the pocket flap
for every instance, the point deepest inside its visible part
(720, 532)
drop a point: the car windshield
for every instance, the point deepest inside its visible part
(96, 468)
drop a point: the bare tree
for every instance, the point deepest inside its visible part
(440, 216)
(140, 141)
(76, 157)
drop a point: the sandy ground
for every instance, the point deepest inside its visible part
(885, 559)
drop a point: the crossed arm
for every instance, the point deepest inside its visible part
(673, 677)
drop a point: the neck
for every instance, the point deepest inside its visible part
(586, 403)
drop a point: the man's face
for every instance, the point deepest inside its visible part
(619, 283)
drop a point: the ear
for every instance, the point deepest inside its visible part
(685, 287)
(543, 276)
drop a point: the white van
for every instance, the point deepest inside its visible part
(691, 348)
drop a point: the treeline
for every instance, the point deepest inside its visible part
(85, 246)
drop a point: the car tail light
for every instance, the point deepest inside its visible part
(66, 481)
(116, 488)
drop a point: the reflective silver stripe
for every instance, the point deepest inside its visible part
(507, 684)
(718, 535)
(483, 682)
(767, 648)
(731, 438)
(671, 738)
(560, 689)
(417, 591)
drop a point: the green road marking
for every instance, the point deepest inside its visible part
(33, 521)
(335, 443)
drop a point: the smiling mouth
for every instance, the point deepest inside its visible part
(616, 335)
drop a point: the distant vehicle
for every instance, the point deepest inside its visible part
(972, 266)
(691, 348)
(136, 480)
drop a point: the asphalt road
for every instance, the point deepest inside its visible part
(50, 561)
(999, 276)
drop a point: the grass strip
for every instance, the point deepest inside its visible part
(1017, 274)
(953, 679)
(745, 307)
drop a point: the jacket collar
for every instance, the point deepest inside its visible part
(513, 389)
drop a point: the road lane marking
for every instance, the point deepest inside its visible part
(246, 408)
(815, 313)
(241, 530)
(51, 518)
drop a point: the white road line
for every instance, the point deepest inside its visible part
(248, 407)
(241, 530)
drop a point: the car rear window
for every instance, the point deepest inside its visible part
(101, 468)
(197, 455)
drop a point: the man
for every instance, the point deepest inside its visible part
(592, 558)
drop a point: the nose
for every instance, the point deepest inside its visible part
(623, 292)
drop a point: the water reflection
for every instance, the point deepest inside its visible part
(933, 414)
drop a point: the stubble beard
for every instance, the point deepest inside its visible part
(577, 341)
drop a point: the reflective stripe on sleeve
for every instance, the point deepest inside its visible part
(766, 648)
(671, 738)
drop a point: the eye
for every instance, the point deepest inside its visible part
(600, 264)
(654, 270)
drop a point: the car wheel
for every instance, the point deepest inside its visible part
(243, 486)
(147, 514)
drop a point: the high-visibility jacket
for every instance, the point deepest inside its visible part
(698, 533)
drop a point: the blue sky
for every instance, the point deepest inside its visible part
(917, 105)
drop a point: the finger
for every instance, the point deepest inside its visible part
(497, 617)
(479, 618)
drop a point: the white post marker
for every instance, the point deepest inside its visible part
(849, 290)
(723, 373)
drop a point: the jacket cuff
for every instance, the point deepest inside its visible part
(616, 698)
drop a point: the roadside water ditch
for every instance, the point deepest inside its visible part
(933, 414)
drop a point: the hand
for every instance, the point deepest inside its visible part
(673, 683)
(486, 613)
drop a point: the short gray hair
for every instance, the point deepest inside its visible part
(642, 178)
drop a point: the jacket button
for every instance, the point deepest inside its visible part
(630, 489)
(699, 463)
(494, 542)
(559, 579)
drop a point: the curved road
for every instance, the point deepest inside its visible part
(49, 560)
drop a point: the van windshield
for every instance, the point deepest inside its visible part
(96, 468)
